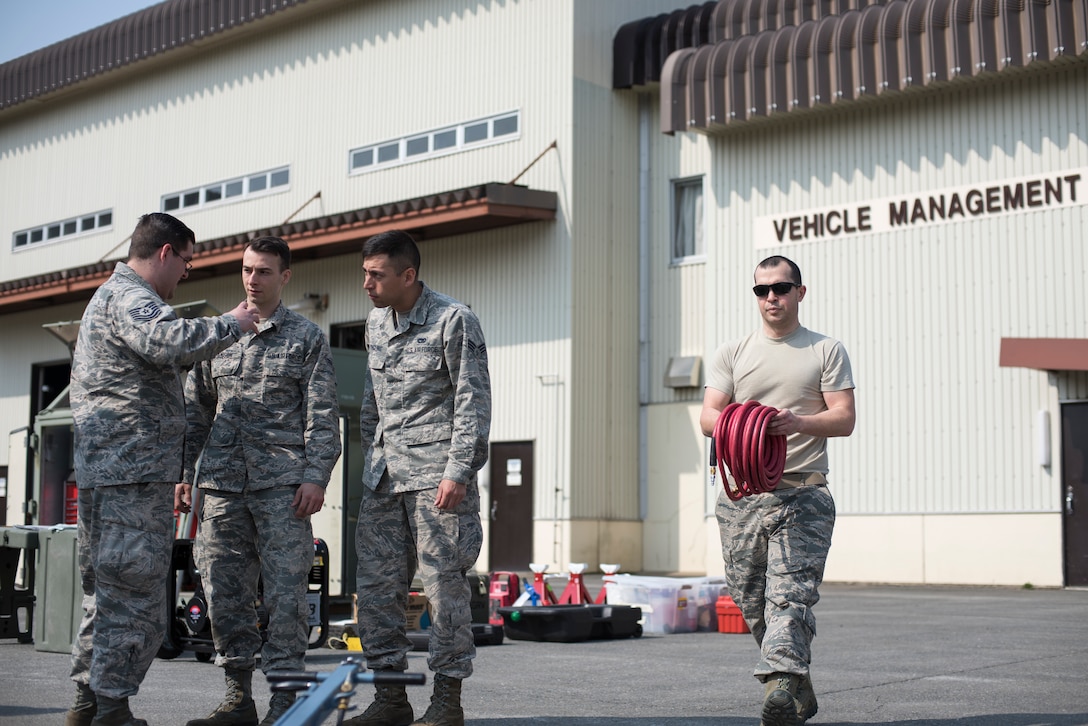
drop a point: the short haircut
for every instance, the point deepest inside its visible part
(276, 246)
(776, 260)
(397, 245)
(154, 231)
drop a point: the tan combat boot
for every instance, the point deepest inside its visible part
(115, 712)
(84, 709)
(237, 708)
(779, 700)
(445, 708)
(806, 701)
(390, 708)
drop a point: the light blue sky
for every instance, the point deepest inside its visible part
(27, 25)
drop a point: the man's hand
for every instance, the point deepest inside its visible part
(784, 423)
(450, 494)
(309, 499)
(247, 316)
(183, 497)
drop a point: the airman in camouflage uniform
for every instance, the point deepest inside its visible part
(265, 414)
(424, 426)
(129, 413)
(775, 543)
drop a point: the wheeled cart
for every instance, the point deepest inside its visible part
(190, 627)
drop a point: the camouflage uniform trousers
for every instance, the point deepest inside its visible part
(246, 537)
(393, 531)
(775, 546)
(125, 537)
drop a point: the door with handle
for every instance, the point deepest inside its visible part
(1075, 493)
(510, 541)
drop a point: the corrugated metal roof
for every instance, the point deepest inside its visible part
(142, 35)
(762, 58)
(459, 211)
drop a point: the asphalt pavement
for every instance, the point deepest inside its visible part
(917, 656)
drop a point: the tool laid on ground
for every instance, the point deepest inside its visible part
(319, 694)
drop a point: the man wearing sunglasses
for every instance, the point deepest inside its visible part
(129, 412)
(775, 543)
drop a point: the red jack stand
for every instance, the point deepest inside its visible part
(540, 585)
(609, 576)
(575, 593)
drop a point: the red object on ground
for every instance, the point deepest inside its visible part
(540, 585)
(729, 618)
(505, 589)
(575, 593)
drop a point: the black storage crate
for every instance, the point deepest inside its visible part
(571, 623)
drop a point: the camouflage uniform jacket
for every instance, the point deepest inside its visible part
(426, 411)
(127, 397)
(264, 411)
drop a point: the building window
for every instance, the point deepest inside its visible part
(687, 220)
(348, 335)
(63, 229)
(437, 142)
(232, 190)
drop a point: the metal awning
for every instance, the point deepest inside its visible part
(1045, 354)
(763, 59)
(460, 211)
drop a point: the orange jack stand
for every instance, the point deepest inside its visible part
(575, 592)
(540, 585)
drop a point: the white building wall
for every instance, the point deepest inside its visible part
(944, 440)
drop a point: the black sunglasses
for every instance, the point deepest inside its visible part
(780, 288)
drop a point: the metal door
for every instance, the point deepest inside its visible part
(1075, 492)
(511, 530)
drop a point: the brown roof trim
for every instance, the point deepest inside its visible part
(139, 36)
(899, 46)
(1045, 354)
(461, 211)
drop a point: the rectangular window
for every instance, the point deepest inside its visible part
(445, 139)
(506, 125)
(687, 219)
(476, 132)
(221, 192)
(62, 229)
(362, 158)
(388, 153)
(439, 142)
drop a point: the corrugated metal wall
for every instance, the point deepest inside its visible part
(941, 428)
(557, 300)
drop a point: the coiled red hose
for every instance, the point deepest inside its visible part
(755, 458)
